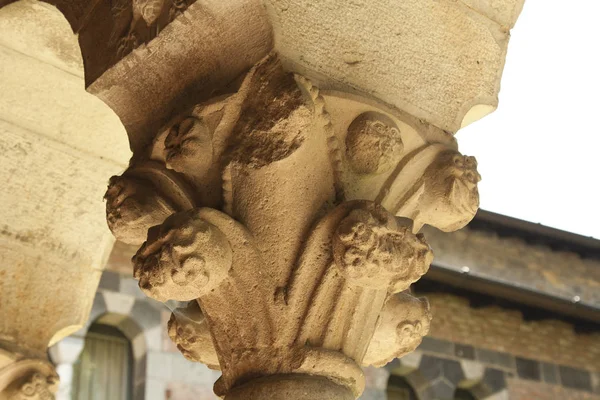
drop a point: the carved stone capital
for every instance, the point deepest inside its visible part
(293, 230)
(286, 157)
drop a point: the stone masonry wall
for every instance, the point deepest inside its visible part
(503, 330)
(540, 360)
(527, 390)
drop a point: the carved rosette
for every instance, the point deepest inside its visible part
(183, 258)
(374, 250)
(26, 379)
(289, 219)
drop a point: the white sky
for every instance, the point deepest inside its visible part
(539, 153)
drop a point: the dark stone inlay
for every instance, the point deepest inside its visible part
(432, 368)
(98, 308)
(437, 346)
(392, 365)
(398, 387)
(464, 351)
(139, 391)
(528, 369)
(145, 314)
(575, 378)
(110, 281)
(495, 358)
(453, 371)
(417, 380)
(494, 380)
(441, 389)
(464, 394)
(549, 373)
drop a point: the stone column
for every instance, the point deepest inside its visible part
(58, 144)
(64, 354)
(286, 156)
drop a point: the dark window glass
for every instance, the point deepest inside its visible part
(103, 371)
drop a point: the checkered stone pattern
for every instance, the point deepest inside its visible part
(438, 378)
(120, 303)
(438, 368)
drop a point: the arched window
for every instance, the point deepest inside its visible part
(462, 394)
(399, 389)
(104, 368)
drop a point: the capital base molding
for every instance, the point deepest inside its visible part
(286, 221)
(294, 386)
(25, 378)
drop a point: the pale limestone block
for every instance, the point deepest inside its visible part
(118, 303)
(155, 389)
(160, 365)
(64, 354)
(441, 61)
(138, 345)
(112, 319)
(154, 338)
(473, 370)
(504, 12)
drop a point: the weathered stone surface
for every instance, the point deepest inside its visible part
(400, 329)
(300, 387)
(286, 156)
(109, 30)
(58, 144)
(281, 292)
(194, 58)
(557, 273)
(438, 60)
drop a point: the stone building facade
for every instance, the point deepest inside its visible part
(480, 345)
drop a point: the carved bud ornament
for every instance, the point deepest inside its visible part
(288, 219)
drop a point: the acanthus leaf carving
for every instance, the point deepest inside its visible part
(291, 228)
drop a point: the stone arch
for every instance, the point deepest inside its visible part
(139, 321)
(397, 383)
(136, 318)
(438, 378)
(483, 383)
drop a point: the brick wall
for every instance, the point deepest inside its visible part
(527, 390)
(512, 260)
(504, 330)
